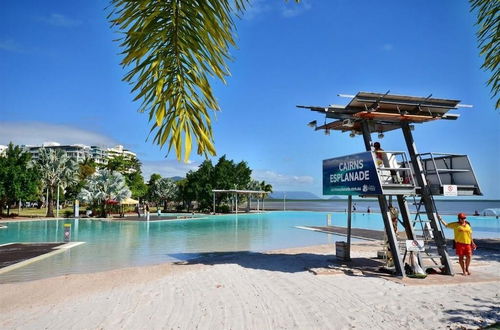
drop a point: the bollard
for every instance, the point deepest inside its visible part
(67, 232)
(76, 208)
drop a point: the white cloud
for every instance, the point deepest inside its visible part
(282, 180)
(291, 8)
(60, 20)
(387, 47)
(167, 168)
(10, 46)
(256, 8)
(286, 9)
(35, 133)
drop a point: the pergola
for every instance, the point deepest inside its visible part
(236, 192)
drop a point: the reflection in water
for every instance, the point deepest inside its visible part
(116, 244)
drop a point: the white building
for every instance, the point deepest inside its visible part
(80, 151)
(76, 151)
(120, 151)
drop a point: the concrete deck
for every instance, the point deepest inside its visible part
(13, 253)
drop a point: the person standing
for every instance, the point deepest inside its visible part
(464, 244)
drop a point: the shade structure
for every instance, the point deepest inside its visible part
(129, 201)
(383, 112)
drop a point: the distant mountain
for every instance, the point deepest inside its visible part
(293, 195)
(176, 178)
(336, 197)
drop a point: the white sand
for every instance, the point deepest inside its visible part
(252, 291)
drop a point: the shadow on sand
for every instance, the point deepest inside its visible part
(486, 315)
(278, 262)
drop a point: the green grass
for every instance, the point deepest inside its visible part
(35, 213)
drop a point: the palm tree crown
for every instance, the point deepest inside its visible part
(56, 169)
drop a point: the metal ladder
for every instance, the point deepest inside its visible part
(423, 230)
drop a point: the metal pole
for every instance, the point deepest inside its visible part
(349, 224)
(57, 210)
(384, 210)
(214, 201)
(284, 202)
(236, 203)
(426, 196)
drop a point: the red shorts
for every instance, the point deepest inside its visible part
(463, 249)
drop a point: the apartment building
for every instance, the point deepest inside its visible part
(80, 151)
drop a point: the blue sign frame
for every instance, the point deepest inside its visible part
(351, 175)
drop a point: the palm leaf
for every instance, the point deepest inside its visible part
(173, 47)
(488, 36)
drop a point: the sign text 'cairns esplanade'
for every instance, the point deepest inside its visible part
(351, 175)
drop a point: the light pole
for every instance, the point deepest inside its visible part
(57, 204)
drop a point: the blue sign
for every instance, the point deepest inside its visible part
(351, 175)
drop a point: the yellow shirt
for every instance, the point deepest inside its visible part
(463, 234)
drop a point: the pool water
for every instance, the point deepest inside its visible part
(117, 244)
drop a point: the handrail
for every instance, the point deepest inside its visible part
(393, 168)
(441, 153)
(388, 151)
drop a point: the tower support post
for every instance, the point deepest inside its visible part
(384, 210)
(425, 193)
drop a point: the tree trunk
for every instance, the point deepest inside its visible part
(165, 206)
(50, 207)
(103, 209)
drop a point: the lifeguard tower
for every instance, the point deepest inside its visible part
(387, 174)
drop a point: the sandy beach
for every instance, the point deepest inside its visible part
(273, 290)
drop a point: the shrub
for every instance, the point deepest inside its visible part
(224, 209)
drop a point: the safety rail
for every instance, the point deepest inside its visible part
(445, 170)
(395, 173)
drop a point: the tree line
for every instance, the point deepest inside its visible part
(54, 175)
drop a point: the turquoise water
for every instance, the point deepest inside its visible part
(117, 244)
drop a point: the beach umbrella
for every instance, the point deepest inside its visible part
(129, 201)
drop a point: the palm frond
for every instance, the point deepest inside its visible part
(488, 36)
(173, 47)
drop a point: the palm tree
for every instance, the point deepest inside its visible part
(262, 186)
(488, 37)
(174, 47)
(103, 186)
(57, 169)
(265, 187)
(118, 164)
(164, 190)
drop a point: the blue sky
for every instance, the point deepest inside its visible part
(60, 80)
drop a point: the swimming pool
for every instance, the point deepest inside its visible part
(117, 244)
